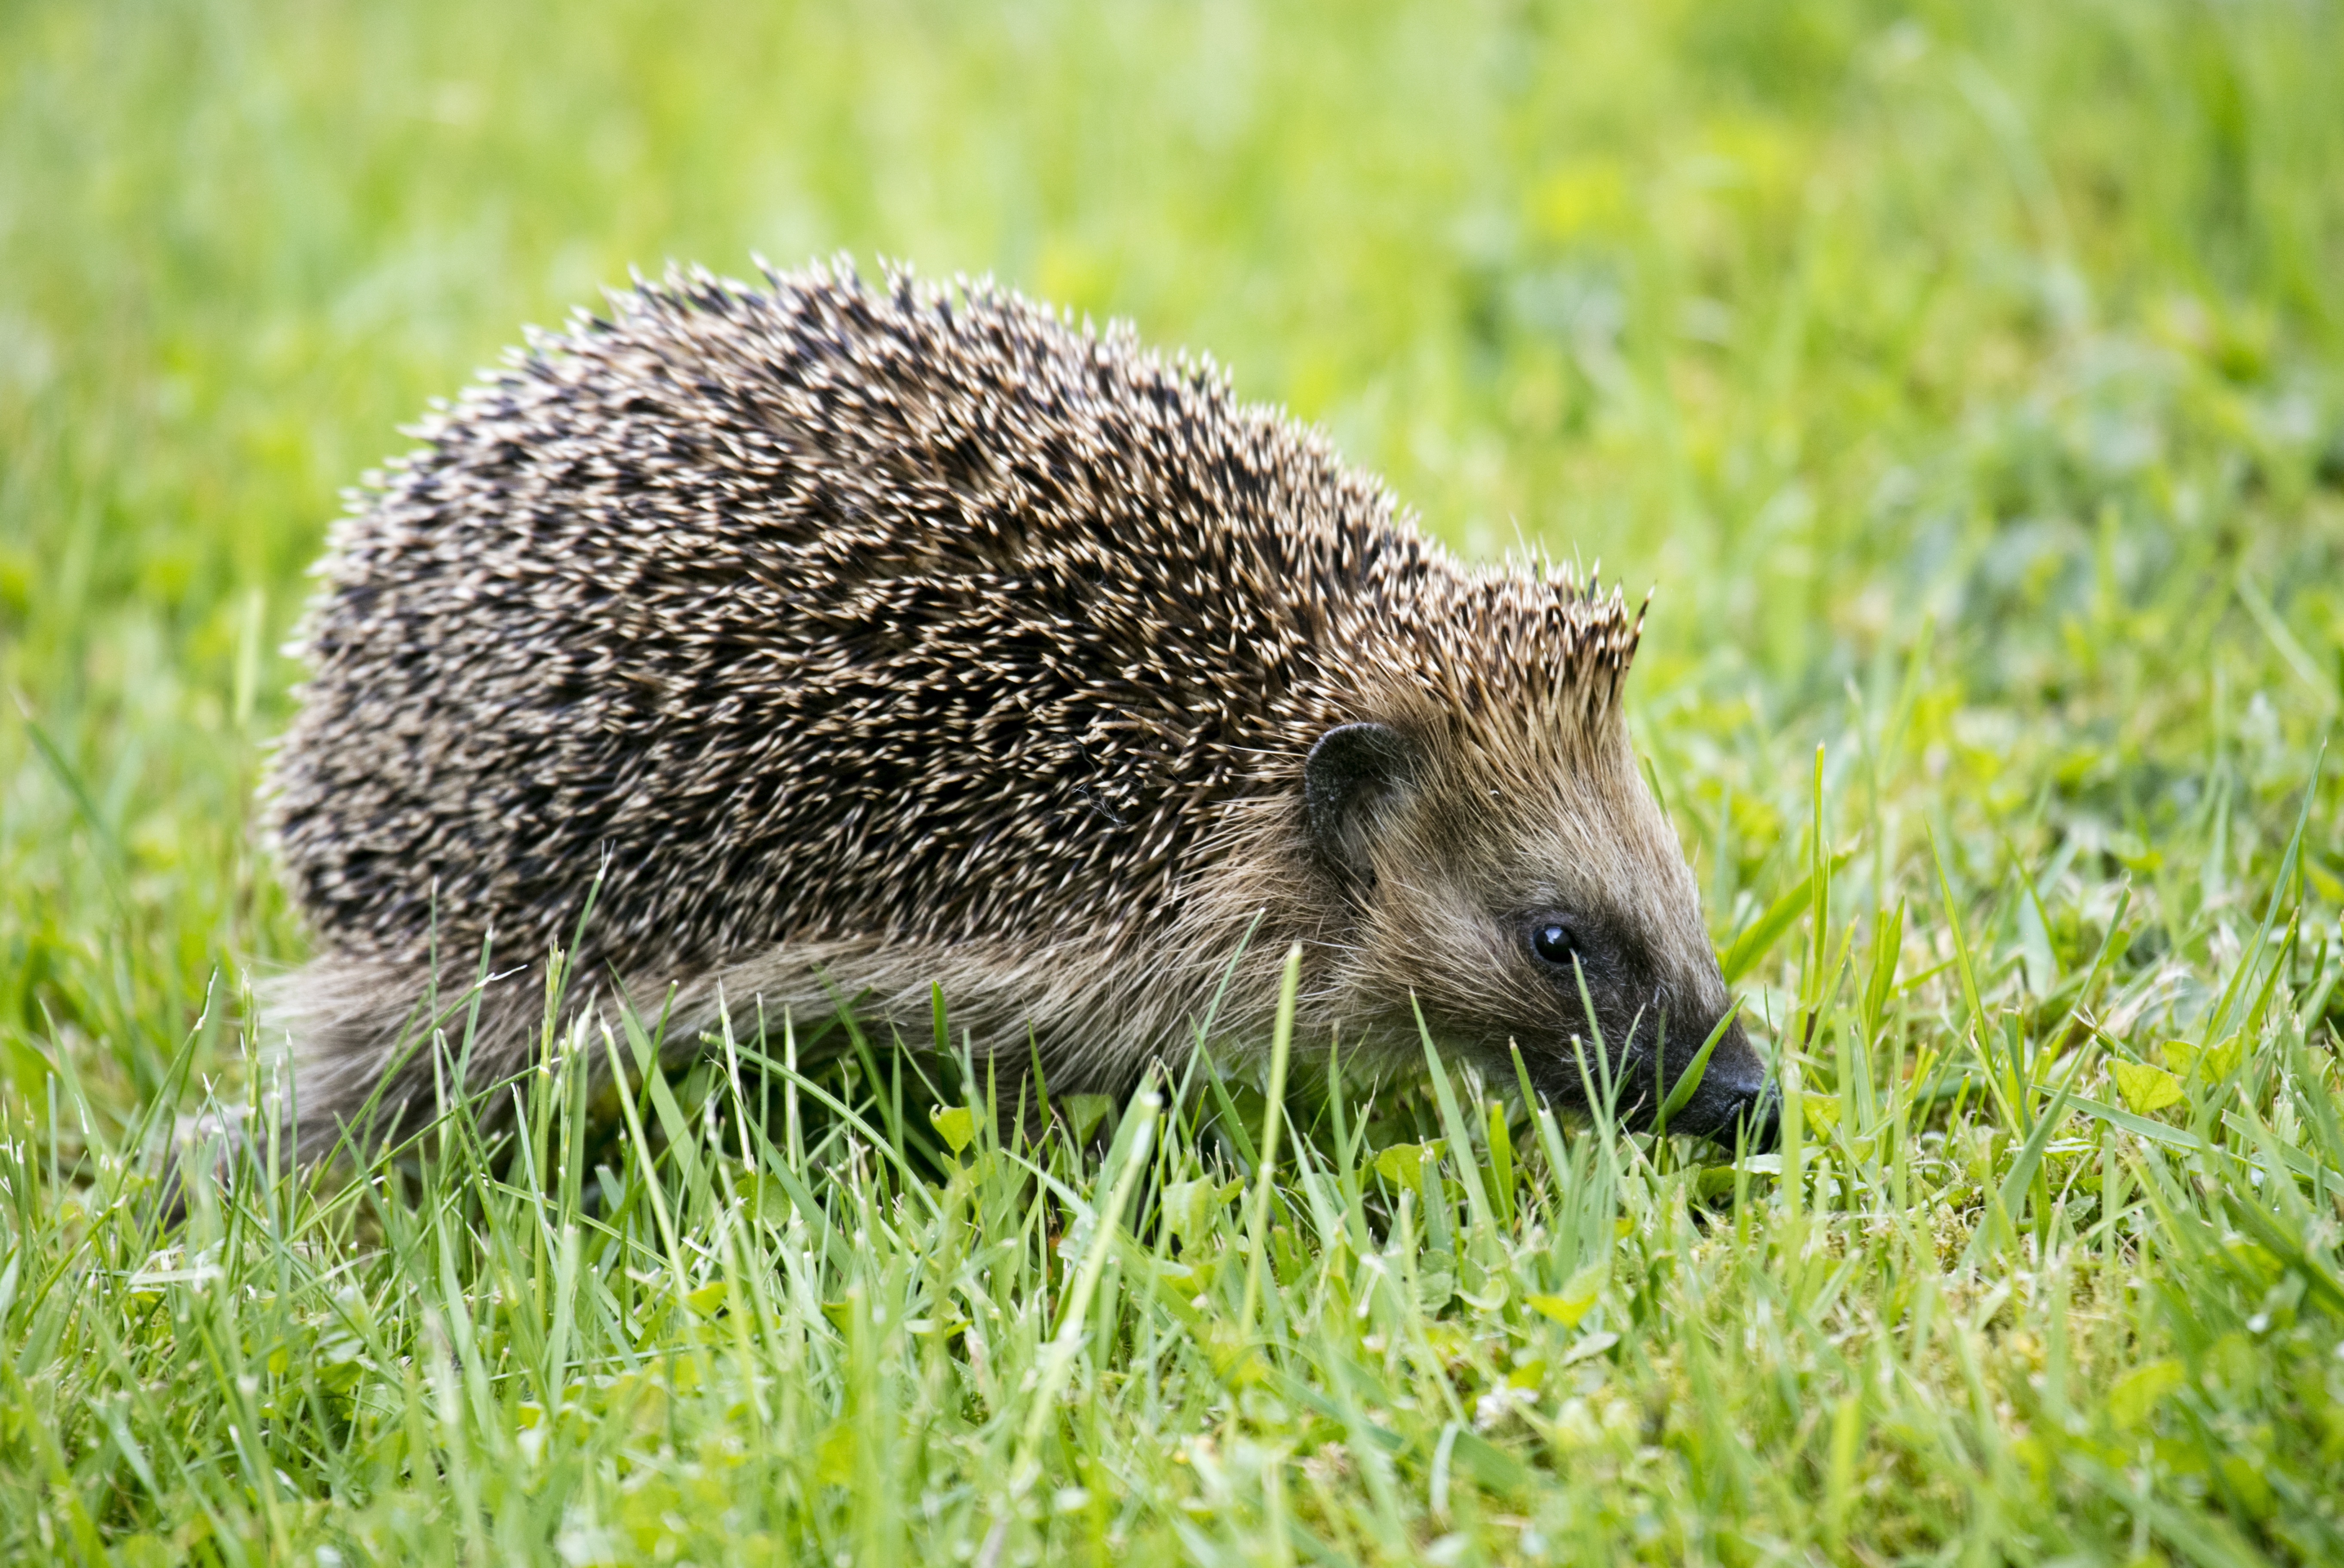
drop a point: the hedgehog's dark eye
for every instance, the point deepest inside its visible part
(1551, 940)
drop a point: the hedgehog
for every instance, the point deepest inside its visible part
(847, 640)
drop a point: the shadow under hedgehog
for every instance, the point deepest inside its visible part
(870, 637)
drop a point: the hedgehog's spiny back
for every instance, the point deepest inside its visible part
(820, 611)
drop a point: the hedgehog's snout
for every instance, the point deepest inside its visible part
(1735, 1102)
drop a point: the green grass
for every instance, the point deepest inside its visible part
(1970, 378)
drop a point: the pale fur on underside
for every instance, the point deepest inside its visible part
(374, 1042)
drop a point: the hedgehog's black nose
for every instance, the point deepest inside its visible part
(1734, 1101)
(1752, 1114)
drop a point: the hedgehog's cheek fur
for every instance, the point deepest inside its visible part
(1481, 992)
(1426, 948)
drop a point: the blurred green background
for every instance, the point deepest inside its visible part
(1839, 321)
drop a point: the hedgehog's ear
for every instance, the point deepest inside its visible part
(1352, 775)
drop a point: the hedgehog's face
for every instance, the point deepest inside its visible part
(1546, 907)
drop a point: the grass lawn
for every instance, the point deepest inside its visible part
(1970, 378)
